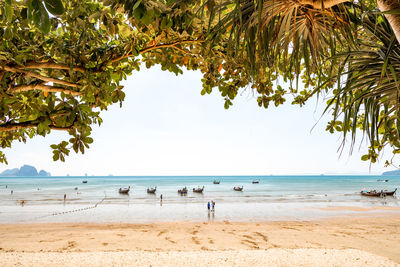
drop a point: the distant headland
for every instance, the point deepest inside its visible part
(25, 170)
(395, 172)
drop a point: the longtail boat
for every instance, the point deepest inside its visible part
(198, 189)
(124, 190)
(151, 190)
(374, 193)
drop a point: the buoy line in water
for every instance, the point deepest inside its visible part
(66, 212)
(75, 210)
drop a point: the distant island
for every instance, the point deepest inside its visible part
(395, 172)
(25, 170)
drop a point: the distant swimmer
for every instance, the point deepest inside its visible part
(12, 192)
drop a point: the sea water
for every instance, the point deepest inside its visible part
(274, 198)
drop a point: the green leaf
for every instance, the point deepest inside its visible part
(365, 157)
(55, 7)
(9, 12)
(44, 22)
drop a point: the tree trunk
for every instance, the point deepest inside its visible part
(394, 19)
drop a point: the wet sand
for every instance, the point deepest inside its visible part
(352, 240)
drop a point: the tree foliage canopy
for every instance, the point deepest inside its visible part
(62, 62)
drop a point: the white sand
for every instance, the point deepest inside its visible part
(270, 257)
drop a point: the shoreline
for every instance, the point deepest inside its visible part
(195, 213)
(374, 235)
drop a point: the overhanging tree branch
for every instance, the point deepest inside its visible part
(7, 127)
(44, 88)
(38, 76)
(170, 45)
(49, 65)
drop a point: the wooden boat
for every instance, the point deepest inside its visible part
(216, 182)
(198, 189)
(151, 190)
(374, 193)
(84, 182)
(124, 190)
(182, 191)
(256, 181)
(381, 180)
(237, 188)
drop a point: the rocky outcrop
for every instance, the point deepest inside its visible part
(25, 170)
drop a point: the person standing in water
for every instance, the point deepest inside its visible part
(213, 205)
(208, 206)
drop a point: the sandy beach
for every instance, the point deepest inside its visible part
(350, 241)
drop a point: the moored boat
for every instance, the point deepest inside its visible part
(256, 181)
(216, 182)
(198, 189)
(124, 190)
(152, 190)
(375, 193)
(238, 188)
(84, 182)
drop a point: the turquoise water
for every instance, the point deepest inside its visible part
(274, 198)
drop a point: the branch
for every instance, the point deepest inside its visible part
(38, 76)
(49, 65)
(171, 45)
(44, 88)
(25, 125)
(320, 4)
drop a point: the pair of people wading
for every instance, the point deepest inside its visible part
(211, 206)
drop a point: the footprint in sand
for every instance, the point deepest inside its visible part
(264, 237)
(121, 235)
(70, 244)
(161, 232)
(210, 241)
(195, 240)
(248, 237)
(250, 243)
(194, 232)
(170, 240)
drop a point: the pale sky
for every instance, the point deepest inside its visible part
(165, 127)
